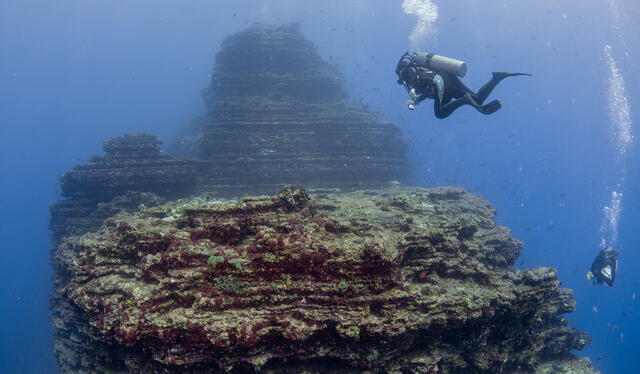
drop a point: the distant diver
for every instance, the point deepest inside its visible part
(429, 76)
(604, 267)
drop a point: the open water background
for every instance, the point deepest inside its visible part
(74, 72)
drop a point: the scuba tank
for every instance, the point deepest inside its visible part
(440, 63)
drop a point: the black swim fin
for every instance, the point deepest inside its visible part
(489, 108)
(501, 75)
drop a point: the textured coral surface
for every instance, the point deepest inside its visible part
(380, 281)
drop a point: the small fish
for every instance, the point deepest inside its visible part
(621, 337)
(551, 224)
(600, 358)
(595, 309)
(633, 297)
(613, 327)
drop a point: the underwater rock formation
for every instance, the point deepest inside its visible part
(377, 281)
(278, 114)
(132, 172)
(396, 280)
(133, 162)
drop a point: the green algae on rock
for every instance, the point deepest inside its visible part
(396, 280)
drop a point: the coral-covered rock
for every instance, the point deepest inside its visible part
(386, 281)
(79, 216)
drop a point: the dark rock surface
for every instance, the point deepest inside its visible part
(378, 281)
(278, 114)
(132, 172)
(133, 162)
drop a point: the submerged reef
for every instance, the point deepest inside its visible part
(154, 272)
(401, 280)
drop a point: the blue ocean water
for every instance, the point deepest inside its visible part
(74, 72)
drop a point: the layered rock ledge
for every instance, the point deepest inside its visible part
(279, 114)
(378, 281)
(133, 171)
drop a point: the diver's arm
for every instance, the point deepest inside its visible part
(424, 80)
(410, 78)
(409, 81)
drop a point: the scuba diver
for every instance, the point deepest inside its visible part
(429, 76)
(604, 267)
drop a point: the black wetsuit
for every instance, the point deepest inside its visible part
(448, 92)
(605, 266)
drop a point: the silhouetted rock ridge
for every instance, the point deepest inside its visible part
(279, 115)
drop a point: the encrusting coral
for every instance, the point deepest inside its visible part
(380, 281)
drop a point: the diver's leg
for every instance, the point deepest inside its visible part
(455, 89)
(485, 90)
(444, 110)
(445, 91)
(486, 108)
(443, 106)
